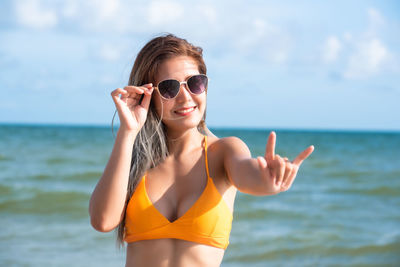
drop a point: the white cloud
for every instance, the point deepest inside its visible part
(32, 14)
(105, 9)
(264, 40)
(369, 58)
(370, 55)
(364, 54)
(163, 12)
(331, 49)
(375, 19)
(101, 15)
(89, 15)
(347, 36)
(70, 9)
(110, 52)
(208, 12)
(97, 10)
(248, 35)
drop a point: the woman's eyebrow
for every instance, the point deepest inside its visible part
(173, 78)
(187, 77)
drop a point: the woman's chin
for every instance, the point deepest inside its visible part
(180, 124)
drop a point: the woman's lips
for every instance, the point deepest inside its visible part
(185, 111)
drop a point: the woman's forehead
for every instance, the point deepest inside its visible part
(178, 68)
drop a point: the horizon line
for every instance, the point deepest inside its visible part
(260, 128)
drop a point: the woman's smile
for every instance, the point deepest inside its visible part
(185, 111)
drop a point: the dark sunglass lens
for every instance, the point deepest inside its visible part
(169, 88)
(197, 83)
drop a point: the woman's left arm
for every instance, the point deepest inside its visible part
(266, 175)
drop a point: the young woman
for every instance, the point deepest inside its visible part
(170, 184)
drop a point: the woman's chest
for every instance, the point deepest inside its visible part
(176, 185)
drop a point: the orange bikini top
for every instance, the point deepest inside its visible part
(208, 221)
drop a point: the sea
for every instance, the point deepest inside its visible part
(342, 210)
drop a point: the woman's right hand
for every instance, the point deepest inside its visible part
(132, 115)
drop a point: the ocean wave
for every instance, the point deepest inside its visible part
(5, 158)
(5, 190)
(41, 177)
(320, 254)
(346, 174)
(263, 214)
(78, 176)
(376, 191)
(84, 176)
(42, 202)
(70, 160)
(58, 160)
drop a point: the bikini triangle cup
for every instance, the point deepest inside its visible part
(208, 221)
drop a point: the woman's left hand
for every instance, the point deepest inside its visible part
(279, 173)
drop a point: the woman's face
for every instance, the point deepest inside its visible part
(172, 111)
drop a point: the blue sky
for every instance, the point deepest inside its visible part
(272, 64)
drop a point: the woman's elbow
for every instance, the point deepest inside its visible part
(101, 225)
(257, 191)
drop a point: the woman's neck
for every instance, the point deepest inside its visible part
(181, 142)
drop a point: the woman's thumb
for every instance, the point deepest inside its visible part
(146, 99)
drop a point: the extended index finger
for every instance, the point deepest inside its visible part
(303, 155)
(270, 149)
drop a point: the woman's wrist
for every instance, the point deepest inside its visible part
(127, 132)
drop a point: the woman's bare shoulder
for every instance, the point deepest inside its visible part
(228, 140)
(227, 147)
(228, 143)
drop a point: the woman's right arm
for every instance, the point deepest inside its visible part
(107, 203)
(109, 197)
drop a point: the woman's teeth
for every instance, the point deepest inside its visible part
(184, 111)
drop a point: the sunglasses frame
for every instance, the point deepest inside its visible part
(180, 85)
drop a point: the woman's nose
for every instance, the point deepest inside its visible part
(184, 91)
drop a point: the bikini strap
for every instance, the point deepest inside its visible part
(205, 152)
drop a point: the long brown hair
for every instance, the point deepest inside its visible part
(150, 147)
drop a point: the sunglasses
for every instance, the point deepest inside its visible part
(170, 88)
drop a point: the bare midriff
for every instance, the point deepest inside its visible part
(172, 253)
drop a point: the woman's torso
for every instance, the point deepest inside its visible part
(174, 187)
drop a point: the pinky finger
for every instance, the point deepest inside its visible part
(291, 178)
